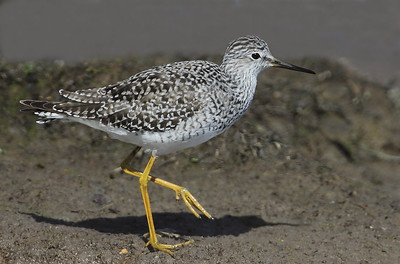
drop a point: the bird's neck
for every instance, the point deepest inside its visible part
(244, 78)
(244, 82)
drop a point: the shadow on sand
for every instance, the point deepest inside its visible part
(181, 223)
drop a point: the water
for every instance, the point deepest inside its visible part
(365, 33)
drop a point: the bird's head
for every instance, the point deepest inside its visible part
(251, 54)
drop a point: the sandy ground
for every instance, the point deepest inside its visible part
(311, 174)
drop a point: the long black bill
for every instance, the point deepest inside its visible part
(285, 65)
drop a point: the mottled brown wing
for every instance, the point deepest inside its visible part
(154, 100)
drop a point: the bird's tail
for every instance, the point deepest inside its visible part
(44, 109)
(49, 111)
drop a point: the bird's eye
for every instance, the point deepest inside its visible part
(255, 56)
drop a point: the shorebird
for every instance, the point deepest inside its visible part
(169, 108)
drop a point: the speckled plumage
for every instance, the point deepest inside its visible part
(169, 107)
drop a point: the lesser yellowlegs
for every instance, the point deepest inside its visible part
(168, 108)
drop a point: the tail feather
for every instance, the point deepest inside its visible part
(38, 105)
(49, 111)
(44, 109)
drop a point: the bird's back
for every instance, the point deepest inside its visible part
(173, 103)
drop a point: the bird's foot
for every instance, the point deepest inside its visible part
(166, 247)
(190, 201)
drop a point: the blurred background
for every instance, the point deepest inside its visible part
(364, 33)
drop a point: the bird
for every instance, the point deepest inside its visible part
(167, 108)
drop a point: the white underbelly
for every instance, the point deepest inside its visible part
(158, 142)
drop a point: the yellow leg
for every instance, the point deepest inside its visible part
(180, 191)
(144, 178)
(146, 200)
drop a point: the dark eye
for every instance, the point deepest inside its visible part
(255, 56)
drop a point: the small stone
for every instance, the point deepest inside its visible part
(123, 251)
